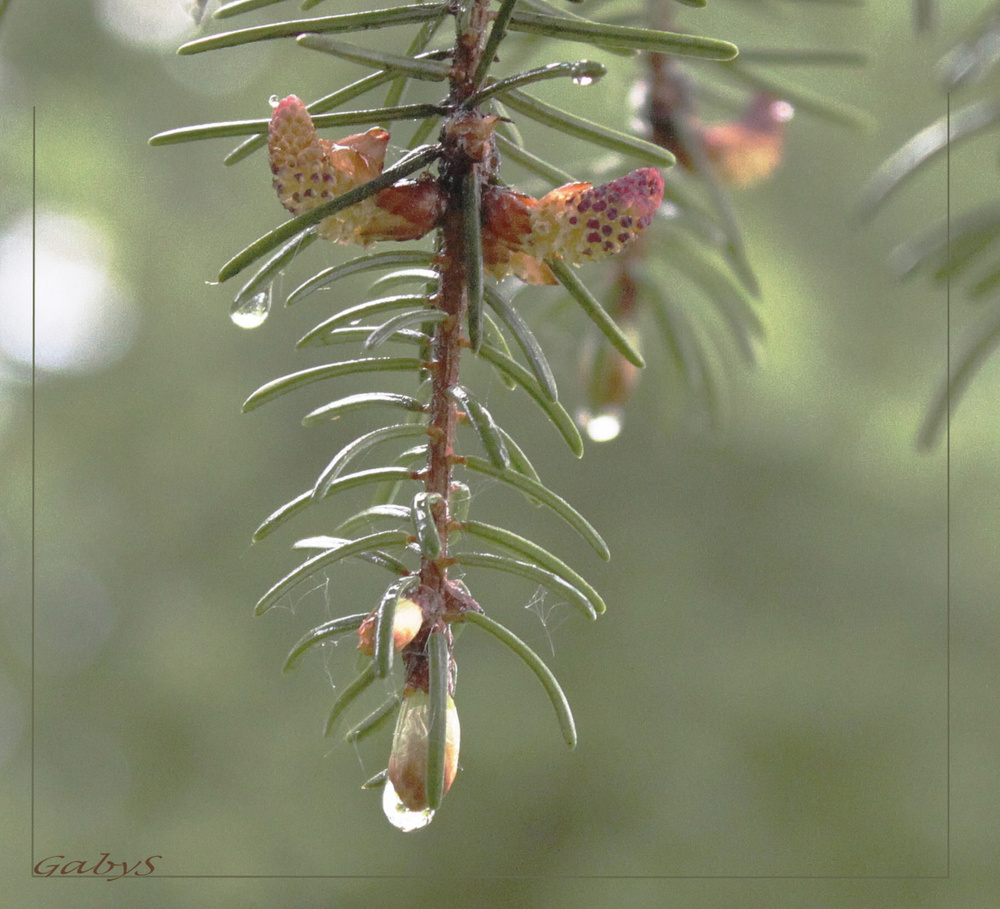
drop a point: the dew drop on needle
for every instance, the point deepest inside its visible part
(253, 311)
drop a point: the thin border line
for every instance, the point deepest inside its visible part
(506, 877)
(34, 184)
(659, 877)
(947, 484)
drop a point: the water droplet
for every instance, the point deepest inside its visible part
(638, 95)
(601, 427)
(251, 312)
(399, 815)
(274, 100)
(782, 111)
(587, 72)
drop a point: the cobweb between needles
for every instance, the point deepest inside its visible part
(294, 600)
(550, 614)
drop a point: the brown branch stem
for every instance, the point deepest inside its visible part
(467, 144)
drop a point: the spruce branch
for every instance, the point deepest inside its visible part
(453, 300)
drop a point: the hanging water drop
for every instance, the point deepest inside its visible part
(399, 815)
(782, 111)
(274, 100)
(251, 312)
(586, 72)
(603, 426)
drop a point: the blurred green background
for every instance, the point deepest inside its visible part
(763, 711)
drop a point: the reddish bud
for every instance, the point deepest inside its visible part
(309, 171)
(506, 225)
(406, 622)
(577, 222)
(406, 211)
(748, 151)
(471, 133)
(408, 760)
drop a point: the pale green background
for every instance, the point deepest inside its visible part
(762, 711)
